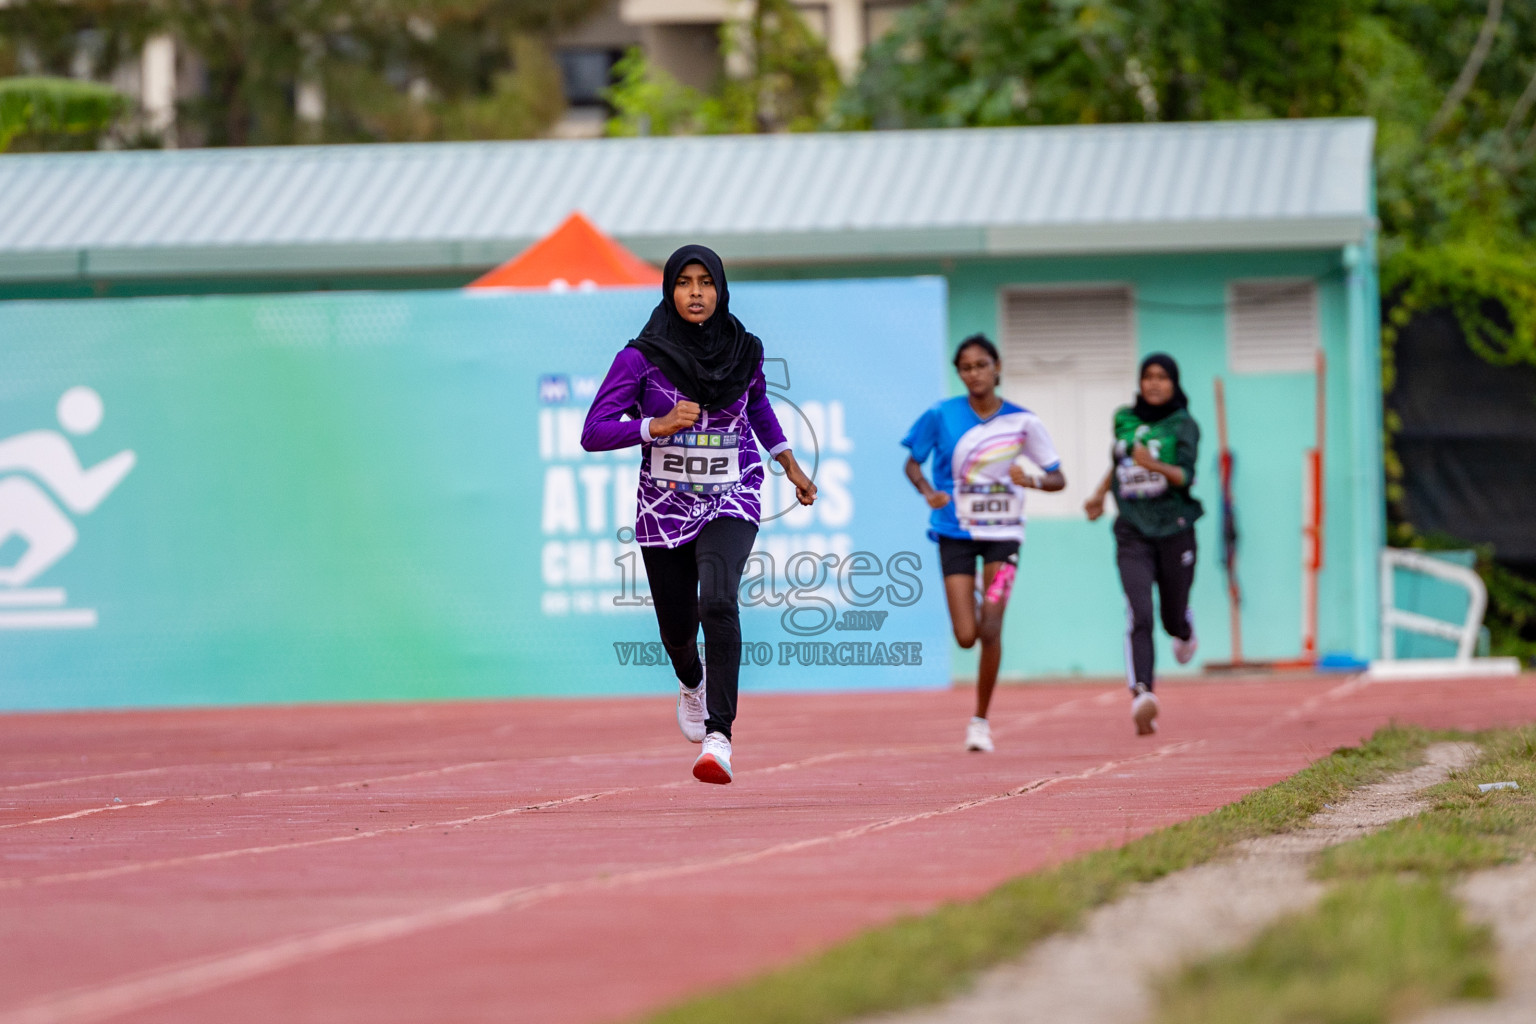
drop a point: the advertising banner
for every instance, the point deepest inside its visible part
(384, 496)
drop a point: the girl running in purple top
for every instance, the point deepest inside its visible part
(690, 392)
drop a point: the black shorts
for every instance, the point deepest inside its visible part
(958, 557)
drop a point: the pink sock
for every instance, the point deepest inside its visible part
(1002, 584)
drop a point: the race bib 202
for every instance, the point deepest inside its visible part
(696, 461)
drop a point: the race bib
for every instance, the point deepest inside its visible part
(1137, 482)
(697, 462)
(988, 505)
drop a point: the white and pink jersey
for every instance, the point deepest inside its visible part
(971, 460)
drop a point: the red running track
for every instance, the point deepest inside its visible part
(553, 861)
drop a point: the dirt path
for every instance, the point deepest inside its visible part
(1503, 898)
(1102, 974)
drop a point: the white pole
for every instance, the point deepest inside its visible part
(157, 87)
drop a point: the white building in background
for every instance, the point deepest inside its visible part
(680, 36)
(669, 27)
(683, 38)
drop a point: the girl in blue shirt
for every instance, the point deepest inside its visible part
(977, 498)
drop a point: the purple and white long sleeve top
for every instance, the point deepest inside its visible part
(710, 471)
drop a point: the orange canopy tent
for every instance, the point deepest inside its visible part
(574, 255)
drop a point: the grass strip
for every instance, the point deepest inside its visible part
(1373, 950)
(1389, 940)
(1464, 828)
(919, 960)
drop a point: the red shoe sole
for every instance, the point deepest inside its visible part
(707, 769)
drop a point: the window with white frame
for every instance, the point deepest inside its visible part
(1069, 356)
(1272, 325)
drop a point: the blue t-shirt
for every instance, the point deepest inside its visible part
(971, 458)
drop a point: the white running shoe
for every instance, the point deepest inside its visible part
(714, 763)
(1144, 712)
(978, 736)
(1183, 650)
(691, 711)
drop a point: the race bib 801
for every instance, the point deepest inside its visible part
(988, 505)
(697, 461)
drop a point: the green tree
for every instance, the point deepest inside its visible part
(55, 113)
(93, 38)
(386, 69)
(1000, 62)
(382, 70)
(1451, 83)
(790, 83)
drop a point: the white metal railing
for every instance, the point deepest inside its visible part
(1463, 635)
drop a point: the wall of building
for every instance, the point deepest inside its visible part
(1067, 614)
(846, 26)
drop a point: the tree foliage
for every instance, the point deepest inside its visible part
(55, 109)
(1451, 84)
(789, 83)
(384, 70)
(1003, 62)
(999, 62)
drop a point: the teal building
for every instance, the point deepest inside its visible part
(1243, 249)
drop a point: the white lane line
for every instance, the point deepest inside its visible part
(209, 798)
(82, 814)
(195, 977)
(279, 791)
(95, 874)
(249, 851)
(47, 783)
(1012, 723)
(1348, 688)
(320, 787)
(1036, 717)
(129, 869)
(317, 761)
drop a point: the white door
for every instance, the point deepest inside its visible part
(1069, 356)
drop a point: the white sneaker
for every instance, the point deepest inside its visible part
(978, 736)
(691, 712)
(1144, 712)
(714, 763)
(1183, 650)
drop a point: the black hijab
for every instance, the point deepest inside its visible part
(1146, 411)
(711, 363)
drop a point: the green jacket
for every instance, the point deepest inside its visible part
(1146, 500)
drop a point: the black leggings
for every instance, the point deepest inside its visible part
(696, 583)
(1168, 562)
